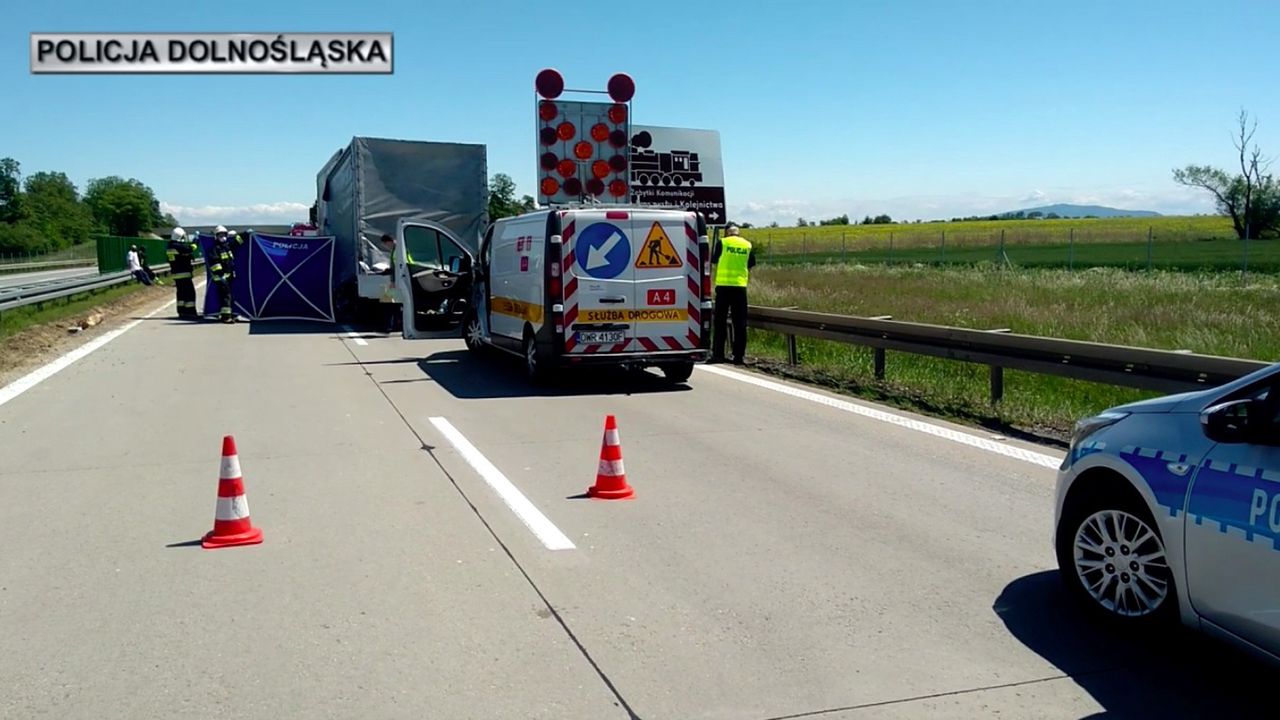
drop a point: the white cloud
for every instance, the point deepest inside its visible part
(1036, 196)
(277, 213)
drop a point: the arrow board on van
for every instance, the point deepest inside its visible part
(657, 251)
(603, 251)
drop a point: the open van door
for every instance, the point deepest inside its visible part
(433, 277)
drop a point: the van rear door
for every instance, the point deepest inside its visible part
(667, 273)
(599, 281)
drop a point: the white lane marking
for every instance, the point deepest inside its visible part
(528, 513)
(40, 374)
(1031, 456)
(355, 335)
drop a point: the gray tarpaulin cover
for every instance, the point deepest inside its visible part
(367, 187)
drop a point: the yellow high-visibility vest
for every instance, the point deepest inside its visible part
(731, 269)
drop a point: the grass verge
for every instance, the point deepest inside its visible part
(19, 319)
(1217, 314)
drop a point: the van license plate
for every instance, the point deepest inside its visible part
(601, 337)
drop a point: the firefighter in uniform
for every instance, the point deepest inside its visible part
(734, 257)
(181, 252)
(222, 266)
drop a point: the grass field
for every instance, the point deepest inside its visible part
(1185, 255)
(1211, 313)
(829, 238)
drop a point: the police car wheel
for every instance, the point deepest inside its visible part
(1113, 558)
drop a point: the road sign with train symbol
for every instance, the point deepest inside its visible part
(679, 168)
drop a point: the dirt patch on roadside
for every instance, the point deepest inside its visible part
(28, 349)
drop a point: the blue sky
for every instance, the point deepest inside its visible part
(919, 109)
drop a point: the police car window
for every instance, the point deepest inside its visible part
(424, 246)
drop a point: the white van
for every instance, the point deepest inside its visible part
(625, 285)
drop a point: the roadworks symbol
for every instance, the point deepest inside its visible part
(657, 250)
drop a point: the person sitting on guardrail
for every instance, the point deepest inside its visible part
(135, 266)
(146, 267)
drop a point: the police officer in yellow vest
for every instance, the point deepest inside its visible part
(734, 257)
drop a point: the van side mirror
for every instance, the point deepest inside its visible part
(1229, 422)
(459, 265)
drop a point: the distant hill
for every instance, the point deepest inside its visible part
(1074, 211)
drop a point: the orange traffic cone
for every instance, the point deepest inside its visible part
(231, 524)
(611, 478)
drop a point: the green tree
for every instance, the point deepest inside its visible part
(123, 207)
(10, 191)
(20, 238)
(1251, 198)
(502, 198)
(53, 209)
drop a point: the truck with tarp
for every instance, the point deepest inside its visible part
(369, 186)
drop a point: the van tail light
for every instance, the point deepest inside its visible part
(555, 281)
(555, 288)
(704, 259)
(555, 284)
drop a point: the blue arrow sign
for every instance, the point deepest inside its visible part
(603, 251)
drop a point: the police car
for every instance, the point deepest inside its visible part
(1169, 509)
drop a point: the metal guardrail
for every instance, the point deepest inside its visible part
(1144, 368)
(45, 265)
(12, 298)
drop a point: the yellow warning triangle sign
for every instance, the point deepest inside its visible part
(657, 250)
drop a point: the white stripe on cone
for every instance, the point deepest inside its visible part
(611, 468)
(232, 508)
(611, 438)
(230, 468)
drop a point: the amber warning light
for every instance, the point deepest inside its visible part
(582, 145)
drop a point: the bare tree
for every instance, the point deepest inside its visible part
(1248, 198)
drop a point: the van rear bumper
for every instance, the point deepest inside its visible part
(648, 359)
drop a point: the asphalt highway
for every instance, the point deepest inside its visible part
(44, 276)
(428, 553)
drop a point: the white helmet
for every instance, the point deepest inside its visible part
(219, 229)
(178, 234)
